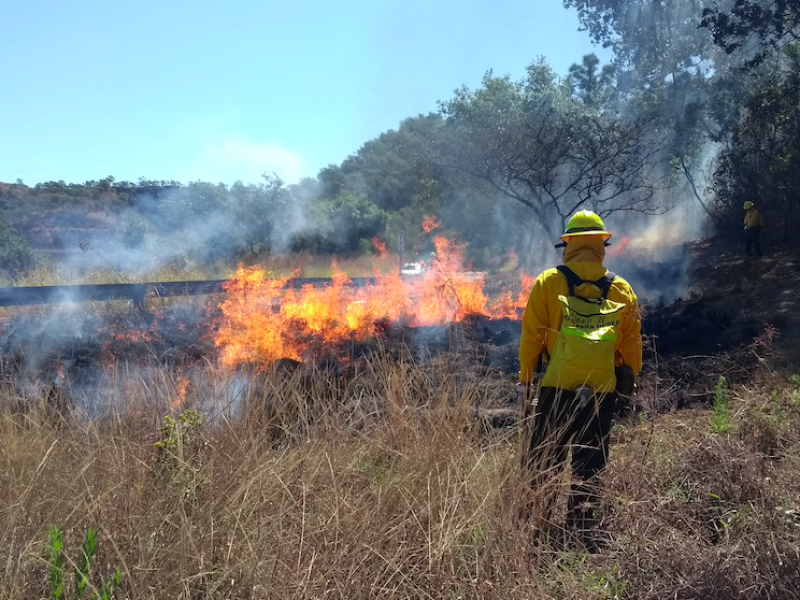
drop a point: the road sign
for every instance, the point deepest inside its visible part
(401, 242)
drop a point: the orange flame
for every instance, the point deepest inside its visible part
(133, 335)
(263, 321)
(619, 248)
(181, 389)
(380, 246)
(430, 223)
(506, 306)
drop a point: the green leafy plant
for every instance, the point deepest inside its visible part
(794, 383)
(56, 563)
(178, 451)
(81, 572)
(179, 435)
(572, 571)
(721, 417)
(16, 256)
(777, 411)
(135, 232)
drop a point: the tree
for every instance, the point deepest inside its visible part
(754, 27)
(260, 213)
(380, 172)
(761, 162)
(16, 255)
(352, 219)
(531, 141)
(344, 225)
(668, 69)
(653, 42)
(594, 87)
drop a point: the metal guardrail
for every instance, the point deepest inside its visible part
(55, 294)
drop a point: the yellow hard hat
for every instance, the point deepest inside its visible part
(748, 205)
(585, 223)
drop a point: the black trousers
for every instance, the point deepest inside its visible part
(752, 240)
(559, 424)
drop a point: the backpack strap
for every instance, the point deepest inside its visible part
(603, 284)
(573, 280)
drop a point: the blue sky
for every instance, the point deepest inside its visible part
(225, 91)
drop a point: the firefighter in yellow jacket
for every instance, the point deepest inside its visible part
(583, 322)
(753, 221)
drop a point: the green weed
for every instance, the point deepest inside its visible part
(81, 571)
(56, 563)
(377, 468)
(178, 450)
(571, 571)
(721, 417)
(794, 382)
(777, 411)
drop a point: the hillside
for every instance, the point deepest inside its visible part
(739, 316)
(703, 486)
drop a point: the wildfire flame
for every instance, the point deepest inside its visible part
(181, 389)
(133, 335)
(380, 246)
(619, 248)
(430, 223)
(263, 321)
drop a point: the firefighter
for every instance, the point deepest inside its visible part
(753, 222)
(583, 322)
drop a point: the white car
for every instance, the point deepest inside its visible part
(413, 268)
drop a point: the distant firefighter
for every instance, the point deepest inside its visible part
(583, 322)
(753, 221)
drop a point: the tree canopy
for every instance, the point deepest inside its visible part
(536, 143)
(753, 27)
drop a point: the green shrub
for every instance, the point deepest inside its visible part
(178, 449)
(135, 232)
(16, 255)
(721, 417)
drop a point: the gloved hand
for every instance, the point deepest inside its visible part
(626, 380)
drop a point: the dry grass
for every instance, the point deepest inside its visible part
(279, 265)
(383, 485)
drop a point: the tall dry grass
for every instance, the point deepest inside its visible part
(380, 486)
(384, 484)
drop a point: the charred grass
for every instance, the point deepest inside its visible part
(299, 483)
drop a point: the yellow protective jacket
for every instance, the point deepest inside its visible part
(541, 322)
(753, 218)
